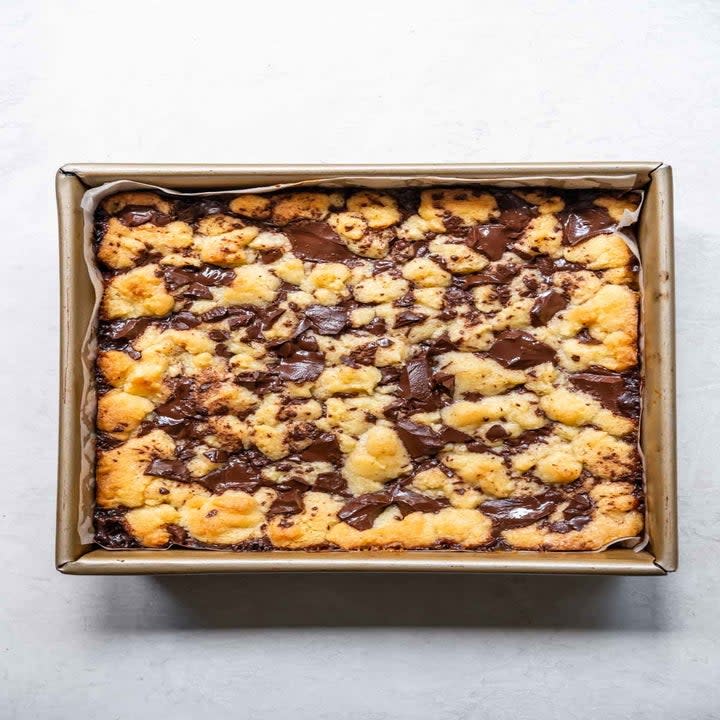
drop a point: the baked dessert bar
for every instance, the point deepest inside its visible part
(450, 367)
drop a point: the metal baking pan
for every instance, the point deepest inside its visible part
(655, 239)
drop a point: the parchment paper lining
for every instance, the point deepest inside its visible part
(92, 198)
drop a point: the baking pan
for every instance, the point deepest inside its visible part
(657, 438)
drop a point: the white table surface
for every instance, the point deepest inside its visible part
(355, 82)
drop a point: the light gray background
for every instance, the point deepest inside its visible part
(332, 82)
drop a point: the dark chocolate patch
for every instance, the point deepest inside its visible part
(324, 448)
(576, 515)
(546, 305)
(127, 329)
(134, 215)
(192, 209)
(169, 469)
(184, 321)
(416, 380)
(237, 475)
(608, 388)
(362, 511)
(419, 440)
(111, 530)
(511, 513)
(302, 367)
(496, 432)
(519, 350)
(491, 240)
(515, 213)
(214, 314)
(287, 502)
(270, 256)
(584, 223)
(376, 326)
(408, 317)
(497, 275)
(317, 242)
(197, 291)
(331, 482)
(327, 320)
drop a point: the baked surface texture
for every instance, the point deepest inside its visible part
(452, 367)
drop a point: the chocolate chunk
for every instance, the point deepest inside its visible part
(180, 408)
(255, 330)
(518, 512)
(287, 502)
(515, 213)
(519, 350)
(170, 469)
(546, 305)
(491, 240)
(376, 326)
(419, 440)
(445, 381)
(451, 435)
(322, 449)
(239, 317)
(585, 223)
(176, 277)
(365, 354)
(214, 314)
(496, 432)
(198, 291)
(497, 275)
(416, 378)
(576, 515)
(270, 256)
(529, 437)
(134, 215)
(629, 401)
(586, 338)
(410, 502)
(331, 482)
(128, 329)
(208, 275)
(607, 387)
(440, 345)
(380, 266)
(547, 266)
(302, 367)
(406, 300)
(478, 447)
(327, 320)
(218, 335)
(270, 316)
(408, 317)
(238, 475)
(222, 350)
(317, 242)
(215, 276)
(216, 455)
(111, 531)
(103, 441)
(455, 296)
(191, 210)
(184, 321)
(303, 341)
(362, 511)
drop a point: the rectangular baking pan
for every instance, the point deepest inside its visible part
(655, 238)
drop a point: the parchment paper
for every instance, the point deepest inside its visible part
(93, 197)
